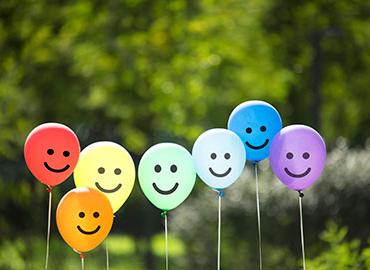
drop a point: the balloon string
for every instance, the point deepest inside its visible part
(258, 216)
(219, 234)
(164, 214)
(82, 256)
(302, 231)
(107, 253)
(49, 189)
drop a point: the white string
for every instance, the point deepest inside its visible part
(219, 234)
(166, 237)
(302, 232)
(258, 216)
(82, 261)
(107, 253)
(48, 230)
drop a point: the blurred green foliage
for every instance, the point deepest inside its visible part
(140, 72)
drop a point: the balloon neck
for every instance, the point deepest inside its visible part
(220, 192)
(164, 214)
(82, 256)
(300, 193)
(49, 189)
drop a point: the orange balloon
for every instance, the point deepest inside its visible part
(84, 218)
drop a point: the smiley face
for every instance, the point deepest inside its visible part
(219, 157)
(51, 152)
(84, 218)
(298, 155)
(109, 168)
(256, 123)
(166, 175)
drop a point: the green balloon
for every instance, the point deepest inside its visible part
(167, 175)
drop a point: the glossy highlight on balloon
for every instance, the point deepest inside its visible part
(166, 175)
(297, 156)
(51, 152)
(109, 168)
(256, 123)
(219, 157)
(84, 218)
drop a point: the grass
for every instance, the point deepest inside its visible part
(124, 253)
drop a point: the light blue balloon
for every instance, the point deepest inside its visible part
(219, 157)
(256, 123)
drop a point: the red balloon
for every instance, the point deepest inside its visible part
(51, 152)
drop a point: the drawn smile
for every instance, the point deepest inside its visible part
(56, 170)
(297, 175)
(259, 146)
(220, 174)
(88, 232)
(165, 192)
(108, 190)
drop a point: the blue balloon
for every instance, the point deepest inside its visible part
(219, 157)
(256, 123)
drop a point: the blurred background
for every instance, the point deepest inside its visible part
(140, 72)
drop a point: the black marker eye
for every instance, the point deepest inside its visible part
(263, 128)
(50, 151)
(248, 130)
(66, 153)
(173, 168)
(117, 171)
(306, 155)
(81, 214)
(101, 170)
(96, 214)
(157, 168)
(289, 155)
(227, 156)
(213, 156)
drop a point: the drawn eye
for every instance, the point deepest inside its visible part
(173, 168)
(96, 214)
(263, 128)
(248, 130)
(81, 214)
(306, 155)
(66, 153)
(289, 155)
(50, 151)
(227, 156)
(117, 171)
(157, 168)
(213, 156)
(101, 170)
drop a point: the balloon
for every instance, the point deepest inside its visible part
(256, 123)
(84, 218)
(219, 157)
(51, 152)
(166, 175)
(297, 156)
(109, 168)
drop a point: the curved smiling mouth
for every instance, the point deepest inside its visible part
(219, 174)
(107, 190)
(297, 175)
(88, 232)
(56, 170)
(165, 192)
(259, 146)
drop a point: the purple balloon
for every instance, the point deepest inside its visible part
(297, 156)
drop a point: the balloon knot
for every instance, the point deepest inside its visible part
(49, 189)
(164, 214)
(82, 256)
(219, 192)
(300, 193)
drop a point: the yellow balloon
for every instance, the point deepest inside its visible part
(109, 168)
